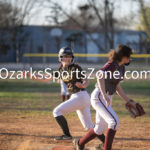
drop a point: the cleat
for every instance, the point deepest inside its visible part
(99, 147)
(77, 146)
(63, 137)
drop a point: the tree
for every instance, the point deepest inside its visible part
(144, 18)
(14, 14)
(100, 14)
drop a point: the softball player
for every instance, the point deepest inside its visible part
(79, 100)
(101, 98)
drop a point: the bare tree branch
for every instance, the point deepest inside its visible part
(14, 14)
(145, 17)
(77, 23)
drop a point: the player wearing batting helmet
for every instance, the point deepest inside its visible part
(79, 100)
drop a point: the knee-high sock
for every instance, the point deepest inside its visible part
(101, 138)
(88, 137)
(63, 124)
(110, 134)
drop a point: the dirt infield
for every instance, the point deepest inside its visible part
(26, 121)
(18, 132)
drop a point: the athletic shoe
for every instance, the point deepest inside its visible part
(63, 137)
(76, 144)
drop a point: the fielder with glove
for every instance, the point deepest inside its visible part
(101, 99)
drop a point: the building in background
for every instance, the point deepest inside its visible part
(39, 39)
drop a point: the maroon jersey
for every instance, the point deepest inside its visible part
(112, 80)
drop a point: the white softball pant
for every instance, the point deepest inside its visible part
(64, 89)
(105, 116)
(79, 102)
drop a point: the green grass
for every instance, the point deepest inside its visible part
(27, 86)
(34, 98)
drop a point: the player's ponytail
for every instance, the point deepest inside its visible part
(122, 51)
(112, 55)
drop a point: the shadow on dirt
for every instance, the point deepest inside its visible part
(52, 137)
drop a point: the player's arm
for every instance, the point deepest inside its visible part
(85, 81)
(84, 84)
(109, 66)
(121, 93)
(101, 85)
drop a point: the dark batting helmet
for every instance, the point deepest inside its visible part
(65, 51)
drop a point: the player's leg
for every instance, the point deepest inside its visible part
(61, 120)
(99, 119)
(99, 129)
(85, 118)
(84, 112)
(71, 105)
(91, 134)
(110, 117)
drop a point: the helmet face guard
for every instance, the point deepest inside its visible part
(65, 51)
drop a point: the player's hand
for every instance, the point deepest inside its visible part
(79, 85)
(107, 99)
